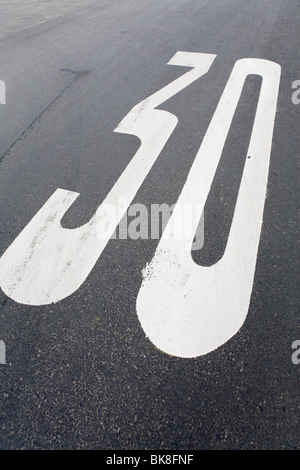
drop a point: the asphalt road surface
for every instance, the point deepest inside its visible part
(98, 352)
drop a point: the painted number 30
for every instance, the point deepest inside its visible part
(185, 310)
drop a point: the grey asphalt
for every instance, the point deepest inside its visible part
(81, 374)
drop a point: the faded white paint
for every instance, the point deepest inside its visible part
(46, 262)
(188, 310)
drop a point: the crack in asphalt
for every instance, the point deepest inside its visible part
(78, 74)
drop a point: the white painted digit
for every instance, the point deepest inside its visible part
(46, 262)
(188, 310)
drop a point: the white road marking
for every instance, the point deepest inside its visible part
(46, 262)
(188, 310)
